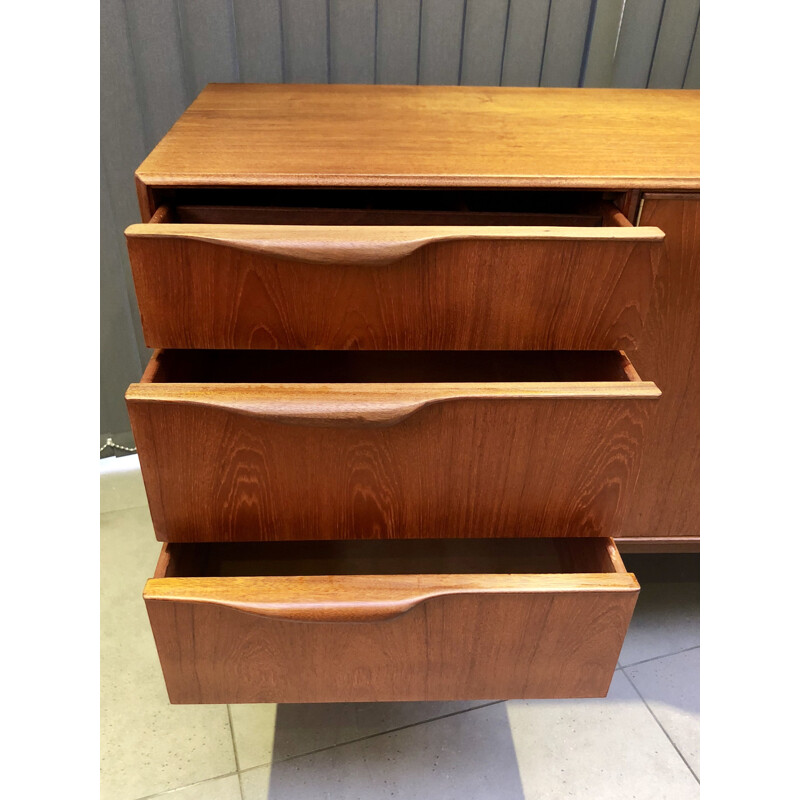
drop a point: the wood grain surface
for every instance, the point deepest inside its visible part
(666, 502)
(226, 462)
(389, 637)
(308, 135)
(375, 287)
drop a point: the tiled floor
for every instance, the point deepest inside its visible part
(642, 741)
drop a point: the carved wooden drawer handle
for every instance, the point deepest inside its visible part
(369, 245)
(364, 598)
(351, 405)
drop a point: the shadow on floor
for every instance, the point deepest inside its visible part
(456, 755)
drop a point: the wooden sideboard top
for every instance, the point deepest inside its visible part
(343, 135)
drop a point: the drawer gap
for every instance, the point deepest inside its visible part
(364, 366)
(398, 557)
(264, 206)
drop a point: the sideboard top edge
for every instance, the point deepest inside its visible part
(431, 136)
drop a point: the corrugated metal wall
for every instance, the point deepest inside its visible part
(156, 55)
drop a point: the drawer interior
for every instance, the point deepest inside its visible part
(395, 557)
(270, 206)
(365, 366)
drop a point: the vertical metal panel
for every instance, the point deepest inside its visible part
(123, 352)
(484, 42)
(566, 36)
(121, 126)
(674, 44)
(305, 40)
(527, 26)
(352, 41)
(692, 79)
(599, 67)
(397, 54)
(156, 45)
(441, 31)
(120, 357)
(258, 40)
(637, 43)
(209, 43)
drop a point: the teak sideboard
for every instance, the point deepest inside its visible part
(426, 360)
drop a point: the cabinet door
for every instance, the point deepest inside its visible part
(666, 502)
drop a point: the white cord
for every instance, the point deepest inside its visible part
(111, 443)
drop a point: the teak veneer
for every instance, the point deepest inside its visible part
(393, 416)
(394, 287)
(507, 444)
(405, 632)
(333, 135)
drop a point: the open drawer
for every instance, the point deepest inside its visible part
(403, 620)
(285, 445)
(392, 269)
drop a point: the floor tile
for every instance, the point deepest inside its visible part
(226, 788)
(255, 783)
(671, 687)
(121, 484)
(468, 755)
(604, 749)
(147, 745)
(253, 733)
(266, 733)
(667, 615)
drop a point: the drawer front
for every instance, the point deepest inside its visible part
(232, 462)
(390, 637)
(392, 287)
